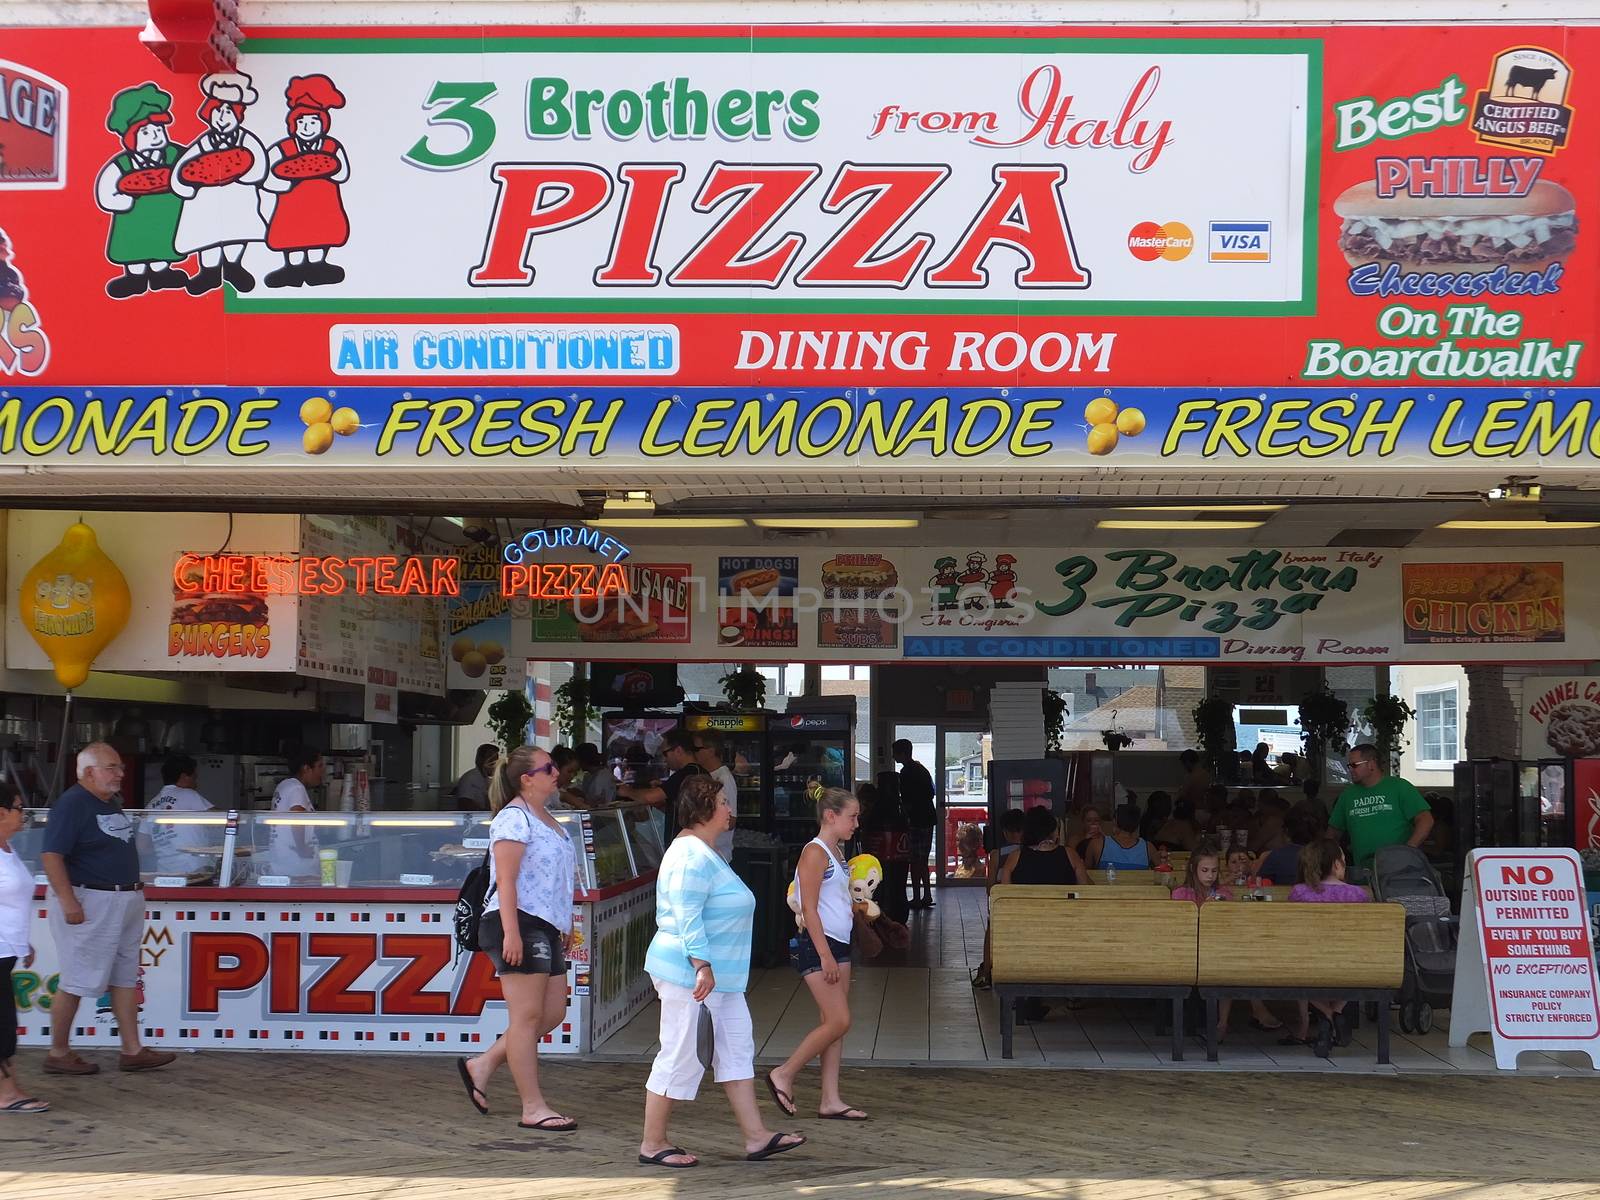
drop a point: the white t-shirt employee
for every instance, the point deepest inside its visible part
(293, 850)
(173, 843)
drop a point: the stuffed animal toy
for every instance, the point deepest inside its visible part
(866, 873)
(793, 898)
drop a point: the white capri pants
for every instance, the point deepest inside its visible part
(677, 1072)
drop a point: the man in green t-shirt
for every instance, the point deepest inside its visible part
(1378, 809)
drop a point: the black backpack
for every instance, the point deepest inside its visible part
(469, 906)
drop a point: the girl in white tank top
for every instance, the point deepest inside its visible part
(825, 967)
(833, 899)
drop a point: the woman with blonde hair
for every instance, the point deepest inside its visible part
(821, 956)
(526, 930)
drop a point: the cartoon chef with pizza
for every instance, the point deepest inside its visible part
(135, 187)
(304, 171)
(219, 179)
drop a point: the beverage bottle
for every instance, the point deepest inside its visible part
(1111, 872)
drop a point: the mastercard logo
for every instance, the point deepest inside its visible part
(1148, 241)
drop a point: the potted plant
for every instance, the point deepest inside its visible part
(1055, 719)
(1324, 724)
(509, 717)
(1386, 716)
(1115, 741)
(1213, 729)
(745, 689)
(571, 702)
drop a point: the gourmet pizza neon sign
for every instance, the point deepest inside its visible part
(564, 581)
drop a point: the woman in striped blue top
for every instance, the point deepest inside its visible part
(699, 960)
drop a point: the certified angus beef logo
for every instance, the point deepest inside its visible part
(1525, 103)
(33, 129)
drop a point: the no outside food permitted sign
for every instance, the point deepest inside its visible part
(1526, 969)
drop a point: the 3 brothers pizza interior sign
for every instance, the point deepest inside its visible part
(946, 206)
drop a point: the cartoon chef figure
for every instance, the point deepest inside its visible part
(135, 187)
(1003, 580)
(305, 170)
(976, 574)
(944, 584)
(219, 178)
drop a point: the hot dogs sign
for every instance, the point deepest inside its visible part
(225, 192)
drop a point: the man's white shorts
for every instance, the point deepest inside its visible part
(103, 951)
(677, 1071)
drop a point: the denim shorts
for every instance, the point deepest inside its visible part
(541, 945)
(803, 956)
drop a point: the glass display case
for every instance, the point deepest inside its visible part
(359, 850)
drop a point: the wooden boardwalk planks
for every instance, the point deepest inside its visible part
(291, 1127)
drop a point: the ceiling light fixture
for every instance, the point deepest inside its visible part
(668, 523)
(1202, 525)
(836, 522)
(636, 503)
(1524, 525)
(1200, 508)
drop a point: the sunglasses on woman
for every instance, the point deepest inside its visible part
(549, 766)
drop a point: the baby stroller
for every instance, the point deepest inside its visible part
(1404, 874)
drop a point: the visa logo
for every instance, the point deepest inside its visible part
(1240, 241)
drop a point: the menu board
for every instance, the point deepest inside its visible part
(341, 635)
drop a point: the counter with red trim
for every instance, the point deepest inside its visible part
(345, 969)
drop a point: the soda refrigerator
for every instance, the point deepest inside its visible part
(808, 749)
(742, 740)
(1518, 802)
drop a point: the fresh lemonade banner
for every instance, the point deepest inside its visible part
(792, 207)
(810, 429)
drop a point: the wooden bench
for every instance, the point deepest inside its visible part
(1044, 944)
(1301, 952)
(1134, 878)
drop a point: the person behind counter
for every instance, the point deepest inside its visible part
(16, 907)
(708, 755)
(677, 748)
(599, 783)
(174, 843)
(566, 761)
(97, 919)
(699, 962)
(526, 930)
(472, 789)
(293, 849)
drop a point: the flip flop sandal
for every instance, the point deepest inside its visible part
(783, 1100)
(775, 1146)
(550, 1125)
(1264, 1027)
(26, 1105)
(844, 1115)
(660, 1160)
(473, 1090)
(1293, 1040)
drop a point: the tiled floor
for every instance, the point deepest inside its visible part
(917, 1007)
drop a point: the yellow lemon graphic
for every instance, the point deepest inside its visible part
(1130, 422)
(473, 664)
(315, 411)
(1102, 439)
(318, 438)
(73, 602)
(1100, 411)
(345, 421)
(461, 647)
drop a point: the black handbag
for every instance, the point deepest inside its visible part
(705, 1038)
